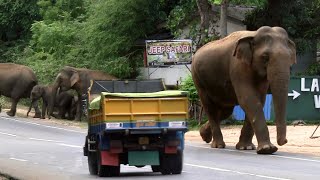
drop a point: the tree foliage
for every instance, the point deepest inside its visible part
(102, 34)
(188, 85)
(58, 10)
(112, 34)
(299, 17)
(191, 13)
(98, 35)
(16, 18)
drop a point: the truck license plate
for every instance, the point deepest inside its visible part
(143, 140)
(145, 123)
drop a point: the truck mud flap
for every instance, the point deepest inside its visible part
(141, 158)
(109, 159)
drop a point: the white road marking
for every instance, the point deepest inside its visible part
(16, 159)
(53, 127)
(13, 135)
(69, 145)
(238, 172)
(246, 152)
(47, 140)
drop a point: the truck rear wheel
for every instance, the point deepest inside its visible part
(155, 168)
(92, 163)
(104, 170)
(171, 163)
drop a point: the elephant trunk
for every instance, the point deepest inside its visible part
(279, 87)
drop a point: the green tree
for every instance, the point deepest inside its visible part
(191, 13)
(56, 38)
(299, 17)
(112, 29)
(59, 10)
(16, 18)
(98, 35)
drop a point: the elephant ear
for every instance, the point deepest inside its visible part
(243, 50)
(74, 78)
(292, 47)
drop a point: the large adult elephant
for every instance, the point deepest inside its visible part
(79, 80)
(16, 82)
(239, 69)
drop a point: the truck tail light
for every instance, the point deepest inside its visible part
(170, 149)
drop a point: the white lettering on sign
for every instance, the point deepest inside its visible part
(315, 85)
(303, 85)
(316, 101)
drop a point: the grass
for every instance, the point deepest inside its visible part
(6, 177)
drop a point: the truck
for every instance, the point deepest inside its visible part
(133, 123)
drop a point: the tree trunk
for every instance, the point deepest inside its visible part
(223, 18)
(205, 11)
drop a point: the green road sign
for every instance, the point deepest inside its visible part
(303, 98)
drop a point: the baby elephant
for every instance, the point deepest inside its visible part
(63, 102)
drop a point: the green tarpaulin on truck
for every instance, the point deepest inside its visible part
(95, 103)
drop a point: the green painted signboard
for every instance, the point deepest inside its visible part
(303, 98)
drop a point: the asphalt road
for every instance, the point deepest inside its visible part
(30, 150)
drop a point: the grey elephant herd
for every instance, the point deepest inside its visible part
(19, 81)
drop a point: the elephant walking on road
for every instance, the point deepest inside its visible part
(16, 82)
(77, 79)
(239, 69)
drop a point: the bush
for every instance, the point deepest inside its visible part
(188, 85)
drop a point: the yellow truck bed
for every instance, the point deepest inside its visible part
(139, 109)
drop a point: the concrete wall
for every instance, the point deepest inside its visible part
(172, 75)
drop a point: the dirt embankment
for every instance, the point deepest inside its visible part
(299, 140)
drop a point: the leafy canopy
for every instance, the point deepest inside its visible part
(98, 35)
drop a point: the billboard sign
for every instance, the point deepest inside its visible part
(161, 52)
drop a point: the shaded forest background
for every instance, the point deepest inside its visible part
(105, 34)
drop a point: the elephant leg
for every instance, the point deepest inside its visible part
(78, 113)
(62, 112)
(214, 116)
(13, 109)
(37, 113)
(29, 109)
(205, 132)
(245, 140)
(69, 113)
(44, 110)
(250, 100)
(0, 105)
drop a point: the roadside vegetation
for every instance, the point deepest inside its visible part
(6, 177)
